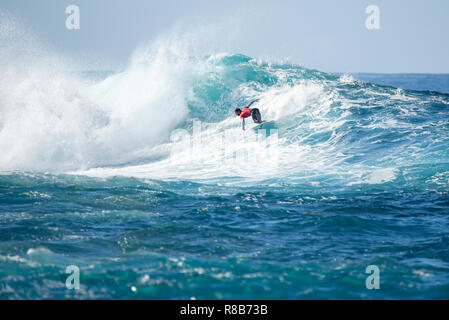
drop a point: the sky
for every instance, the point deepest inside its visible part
(327, 35)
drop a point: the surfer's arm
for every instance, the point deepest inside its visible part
(243, 123)
(252, 102)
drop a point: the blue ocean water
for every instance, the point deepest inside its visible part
(91, 178)
(412, 81)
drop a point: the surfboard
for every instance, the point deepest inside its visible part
(265, 125)
(266, 128)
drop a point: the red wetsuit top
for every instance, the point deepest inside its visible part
(246, 112)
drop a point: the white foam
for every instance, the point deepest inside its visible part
(378, 176)
(53, 120)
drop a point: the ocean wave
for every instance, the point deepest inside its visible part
(121, 123)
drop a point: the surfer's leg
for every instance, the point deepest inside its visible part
(255, 114)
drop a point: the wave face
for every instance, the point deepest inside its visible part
(331, 130)
(93, 176)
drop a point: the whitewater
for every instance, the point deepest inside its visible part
(92, 175)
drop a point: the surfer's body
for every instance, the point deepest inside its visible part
(247, 112)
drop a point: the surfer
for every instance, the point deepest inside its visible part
(247, 111)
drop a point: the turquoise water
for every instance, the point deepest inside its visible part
(89, 178)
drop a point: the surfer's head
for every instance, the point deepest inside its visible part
(238, 112)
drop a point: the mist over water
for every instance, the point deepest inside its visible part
(90, 177)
